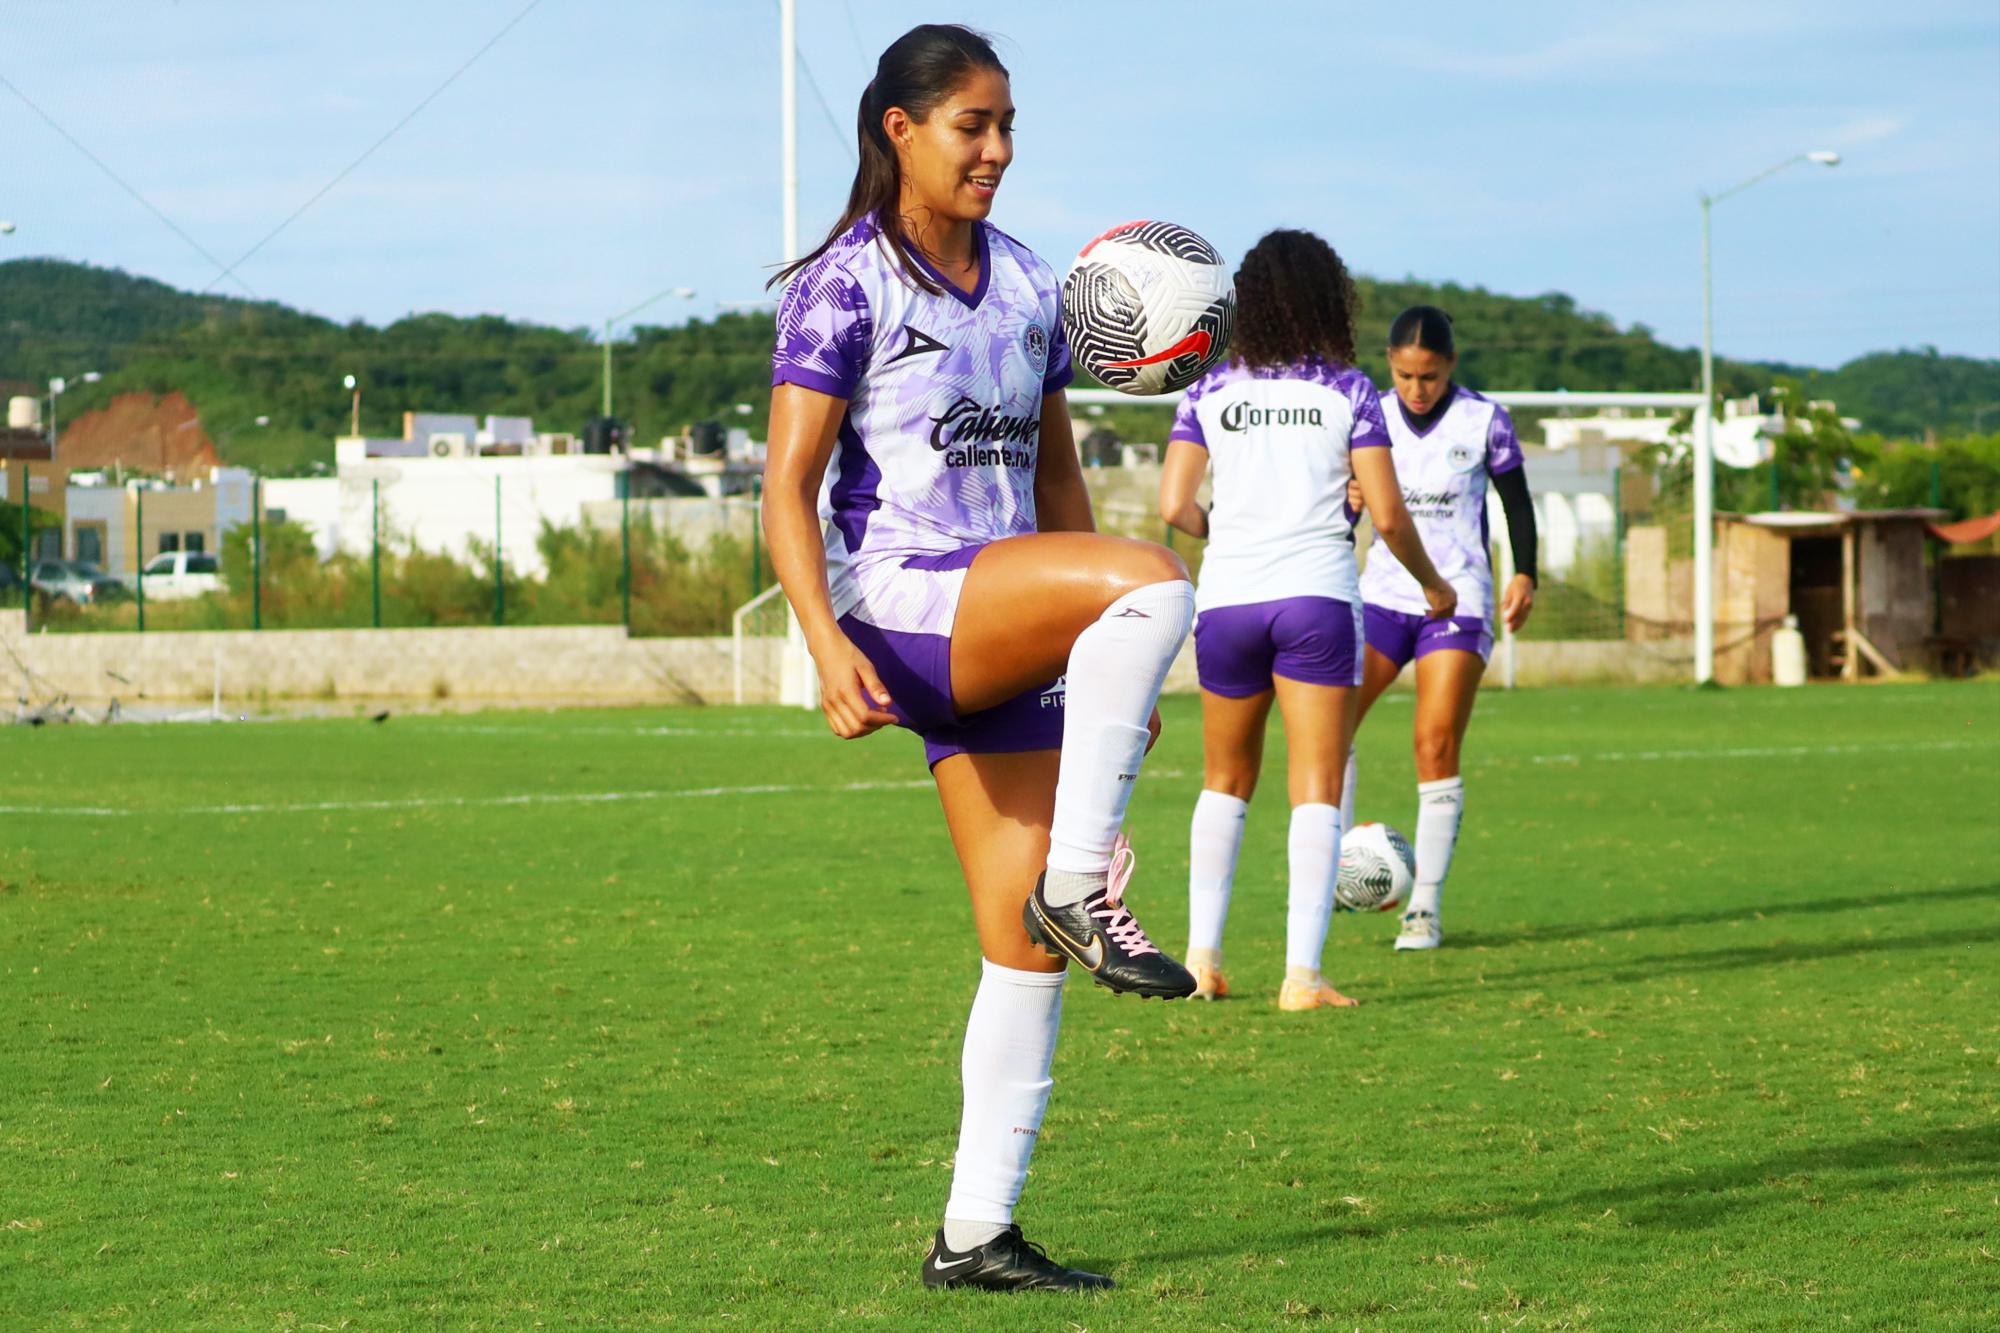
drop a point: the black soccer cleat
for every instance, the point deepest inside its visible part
(1101, 936)
(1008, 1262)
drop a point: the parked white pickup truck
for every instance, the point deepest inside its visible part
(173, 575)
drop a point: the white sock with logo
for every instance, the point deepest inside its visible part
(1116, 669)
(1439, 805)
(1348, 782)
(1010, 1041)
(1313, 850)
(1215, 835)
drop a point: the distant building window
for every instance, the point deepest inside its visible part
(48, 544)
(169, 541)
(194, 541)
(274, 516)
(90, 545)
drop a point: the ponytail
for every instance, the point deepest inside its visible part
(917, 72)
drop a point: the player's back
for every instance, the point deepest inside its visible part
(1279, 443)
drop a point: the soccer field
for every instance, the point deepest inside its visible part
(653, 1018)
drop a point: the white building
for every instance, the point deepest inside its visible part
(1742, 433)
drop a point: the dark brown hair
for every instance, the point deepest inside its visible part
(1423, 326)
(918, 71)
(1294, 300)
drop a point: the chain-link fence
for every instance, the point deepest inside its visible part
(391, 546)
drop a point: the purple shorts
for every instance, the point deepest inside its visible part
(1401, 636)
(1237, 649)
(916, 670)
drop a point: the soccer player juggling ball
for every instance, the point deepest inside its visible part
(1449, 442)
(1285, 424)
(958, 589)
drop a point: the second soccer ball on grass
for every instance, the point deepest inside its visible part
(1377, 870)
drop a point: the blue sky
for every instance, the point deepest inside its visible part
(605, 149)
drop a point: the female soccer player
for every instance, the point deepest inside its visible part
(959, 590)
(1449, 443)
(1285, 423)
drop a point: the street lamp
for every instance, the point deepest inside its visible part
(57, 387)
(685, 293)
(6, 228)
(353, 386)
(1704, 449)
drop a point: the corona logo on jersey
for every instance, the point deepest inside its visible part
(1242, 416)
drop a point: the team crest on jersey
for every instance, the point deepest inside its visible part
(1461, 457)
(1037, 341)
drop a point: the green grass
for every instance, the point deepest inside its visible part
(1714, 1042)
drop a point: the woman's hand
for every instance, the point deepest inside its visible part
(850, 693)
(1356, 501)
(1153, 730)
(1442, 597)
(1517, 601)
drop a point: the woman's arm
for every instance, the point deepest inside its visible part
(1376, 472)
(1062, 503)
(1180, 478)
(1518, 598)
(804, 424)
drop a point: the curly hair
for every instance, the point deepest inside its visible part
(1294, 300)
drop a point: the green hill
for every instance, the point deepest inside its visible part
(237, 360)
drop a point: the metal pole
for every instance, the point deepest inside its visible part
(141, 562)
(256, 553)
(499, 588)
(375, 548)
(625, 548)
(27, 549)
(606, 408)
(756, 547)
(1704, 474)
(354, 414)
(788, 84)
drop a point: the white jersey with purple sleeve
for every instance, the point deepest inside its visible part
(937, 448)
(1278, 440)
(1444, 471)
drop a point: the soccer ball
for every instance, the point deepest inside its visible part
(1377, 870)
(1148, 306)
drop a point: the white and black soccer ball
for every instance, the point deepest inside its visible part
(1148, 306)
(1377, 870)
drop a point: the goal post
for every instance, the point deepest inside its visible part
(1702, 543)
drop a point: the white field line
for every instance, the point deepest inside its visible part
(1759, 752)
(912, 784)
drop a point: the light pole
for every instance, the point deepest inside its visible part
(57, 387)
(685, 293)
(1704, 443)
(353, 386)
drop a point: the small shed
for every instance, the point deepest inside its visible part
(1856, 581)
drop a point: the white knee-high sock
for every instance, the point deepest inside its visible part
(1439, 805)
(1116, 668)
(1215, 835)
(1314, 853)
(1010, 1041)
(1347, 784)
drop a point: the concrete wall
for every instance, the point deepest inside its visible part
(587, 664)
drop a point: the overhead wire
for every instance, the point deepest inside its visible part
(121, 182)
(371, 150)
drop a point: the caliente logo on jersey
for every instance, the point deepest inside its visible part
(1242, 416)
(961, 429)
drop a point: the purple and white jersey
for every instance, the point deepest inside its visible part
(1278, 439)
(1443, 472)
(938, 446)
